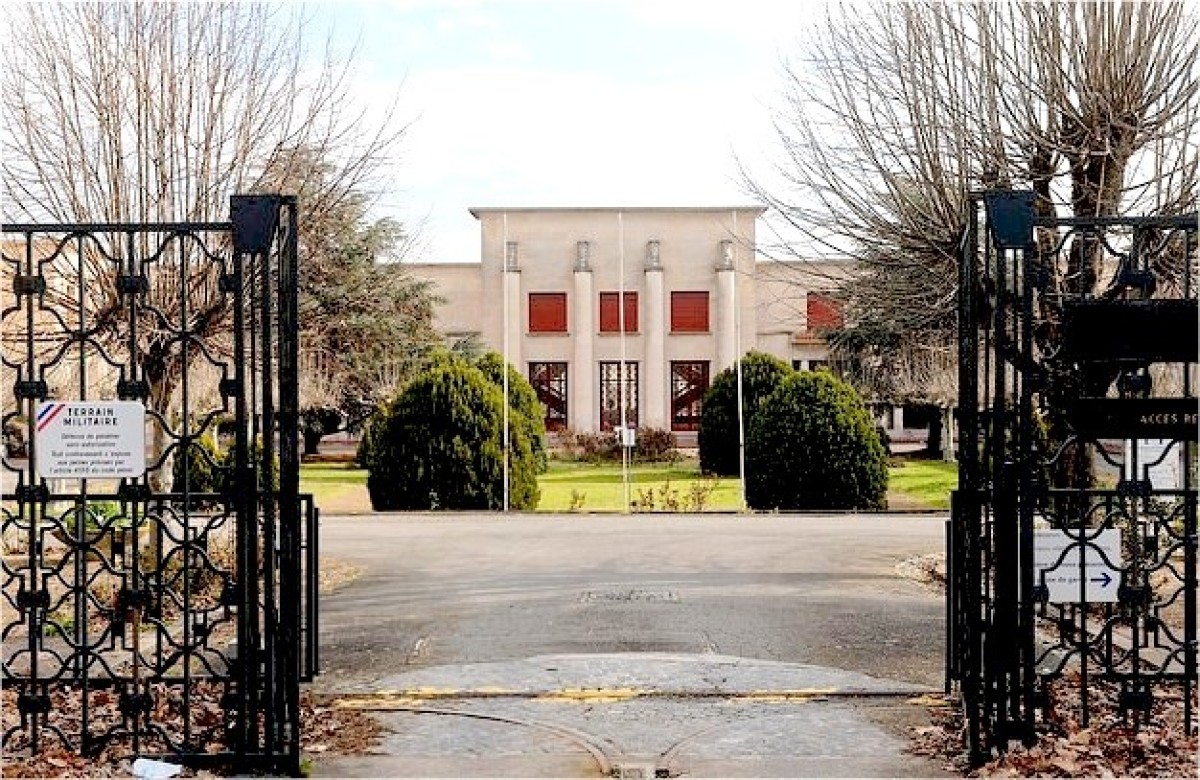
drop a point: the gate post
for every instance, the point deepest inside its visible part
(1035, 350)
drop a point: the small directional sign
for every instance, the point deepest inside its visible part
(90, 439)
(1078, 560)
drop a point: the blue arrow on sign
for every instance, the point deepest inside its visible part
(1104, 579)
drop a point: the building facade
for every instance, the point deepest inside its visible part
(623, 316)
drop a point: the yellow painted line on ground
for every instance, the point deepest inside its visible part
(395, 699)
(593, 694)
(385, 698)
(794, 694)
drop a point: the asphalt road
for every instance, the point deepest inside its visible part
(445, 589)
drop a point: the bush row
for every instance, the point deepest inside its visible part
(439, 444)
(652, 445)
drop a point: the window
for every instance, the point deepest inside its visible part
(547, 312)
(689, 312)
(689, 382)
(823, 313)
(549, 381)
(611, 384)
(610, 317)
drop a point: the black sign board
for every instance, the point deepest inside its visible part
(1135, 418)
(1157, 330)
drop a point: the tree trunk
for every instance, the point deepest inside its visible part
(949, 435)
(162, 388)
(933, 447)
(312, 440)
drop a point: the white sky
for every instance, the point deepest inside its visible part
(567, 102)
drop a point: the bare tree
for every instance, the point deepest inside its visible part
(899, 111)
(140, 112)
(360, 309)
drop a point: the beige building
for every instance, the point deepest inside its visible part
(548, 290)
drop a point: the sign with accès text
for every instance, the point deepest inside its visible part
(90, 439)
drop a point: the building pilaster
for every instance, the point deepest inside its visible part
(581, 375)
(656, 403)
(516, 315)
(726, 309)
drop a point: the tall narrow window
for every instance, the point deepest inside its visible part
(689, 383)
(611, 380)
(610, 316)
(549, 381)
(689, 312)
(547, 312)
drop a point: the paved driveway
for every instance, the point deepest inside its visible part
(451, 589)
(579, 623)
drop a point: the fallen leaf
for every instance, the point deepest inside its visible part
(1066, 765)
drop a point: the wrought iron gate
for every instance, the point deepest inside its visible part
(1072, 545)
(171, 612)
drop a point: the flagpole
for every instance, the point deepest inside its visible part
(737, 340)
(504, 368)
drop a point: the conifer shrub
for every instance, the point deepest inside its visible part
(209, 468)
(813, 445)
(223, 477)
(524, 408)
(438, 445)
(717, 438)
(197, 465)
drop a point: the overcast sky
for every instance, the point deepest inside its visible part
(568, 102)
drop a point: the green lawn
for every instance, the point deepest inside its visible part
(336, 487)
(921, 484)
(913, 484)
(600, 488)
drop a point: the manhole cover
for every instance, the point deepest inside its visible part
(629, 594)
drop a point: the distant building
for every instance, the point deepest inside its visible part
(548, 291)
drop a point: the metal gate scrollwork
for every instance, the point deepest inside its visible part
(1073, 540)
(169, 613)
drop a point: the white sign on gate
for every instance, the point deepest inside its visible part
(90, 439)
(1103, 581)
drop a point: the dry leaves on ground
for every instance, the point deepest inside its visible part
(324, 730)
(1110, 746)
(333, 573)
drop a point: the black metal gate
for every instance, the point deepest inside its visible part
(1072, 545)
(169, 612)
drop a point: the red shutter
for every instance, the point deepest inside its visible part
(547, 312)
(689, 312)
(609, 316)
(823, 313)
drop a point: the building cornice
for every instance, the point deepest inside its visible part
(479, 211)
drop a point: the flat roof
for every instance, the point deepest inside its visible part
(476, 211)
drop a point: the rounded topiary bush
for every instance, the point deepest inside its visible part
(438, 445)
(718, 436)
(813, 445)
(525, 410)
